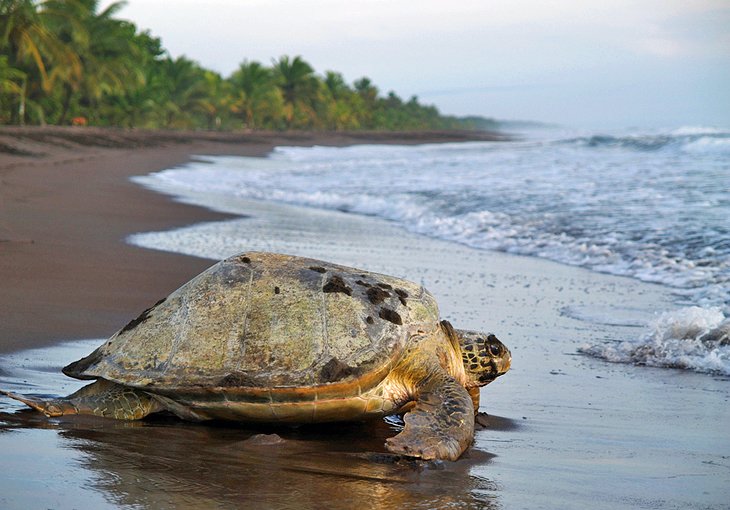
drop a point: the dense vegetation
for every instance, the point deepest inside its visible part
(64, 61)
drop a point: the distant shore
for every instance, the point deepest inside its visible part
(67, 205)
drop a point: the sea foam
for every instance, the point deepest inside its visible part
(691, 338)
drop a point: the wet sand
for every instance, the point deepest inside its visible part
(566, 431)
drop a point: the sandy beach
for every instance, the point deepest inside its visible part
(566, 430)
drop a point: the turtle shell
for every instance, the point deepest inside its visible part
(263, 320)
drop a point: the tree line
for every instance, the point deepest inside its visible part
(68, 62)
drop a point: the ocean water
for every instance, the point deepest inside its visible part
(653, 206)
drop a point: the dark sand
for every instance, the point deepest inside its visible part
(566, 431)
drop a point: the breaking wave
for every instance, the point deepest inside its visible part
(691, 338)
(686, 138)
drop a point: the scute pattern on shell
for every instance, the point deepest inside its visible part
(264, 320)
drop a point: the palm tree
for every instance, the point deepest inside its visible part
(181, 87)
(12, 81)
(368, 95)
(9, 77)
(336, 85)
(22, 33)
(137, 104)
(366, 89)
(295, 78)
(110, 61)
(254, 93)
(337, 110)
(27, 41)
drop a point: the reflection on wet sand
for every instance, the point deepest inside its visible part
(164, 463)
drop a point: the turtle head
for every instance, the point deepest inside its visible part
(485, 357)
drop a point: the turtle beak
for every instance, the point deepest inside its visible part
(501, 356)
(505, 362)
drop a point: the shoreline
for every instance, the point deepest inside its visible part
(67, 204)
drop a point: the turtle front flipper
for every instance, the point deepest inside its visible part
(101, 398)
(440, 425)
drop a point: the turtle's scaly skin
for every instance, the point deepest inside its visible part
(276, 338)
(102, 398)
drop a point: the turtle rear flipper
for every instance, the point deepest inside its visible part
(47, 407)
(441, 425)
(101, 398)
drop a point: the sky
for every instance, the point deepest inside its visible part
(585, 64)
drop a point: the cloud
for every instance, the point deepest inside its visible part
(699, 29)
(661, 47)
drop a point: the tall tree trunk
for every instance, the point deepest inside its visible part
(68, 92)
(21, 107)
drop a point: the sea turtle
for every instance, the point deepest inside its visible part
(264, 337)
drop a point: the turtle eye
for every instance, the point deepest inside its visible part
(494, 350)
